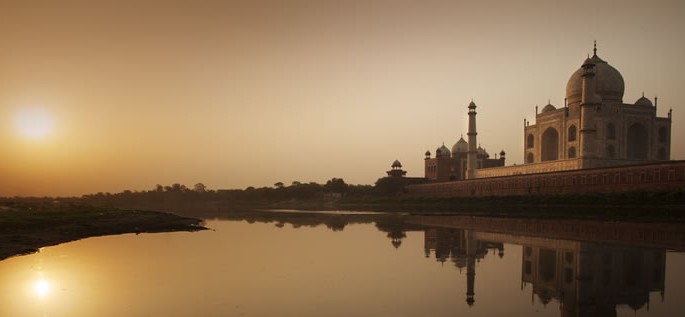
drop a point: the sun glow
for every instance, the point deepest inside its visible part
(41, 288)
(34, 123)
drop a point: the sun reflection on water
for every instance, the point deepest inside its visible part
(41, 287)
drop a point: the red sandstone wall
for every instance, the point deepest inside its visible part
(658, 176)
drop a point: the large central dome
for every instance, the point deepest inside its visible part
(609, 83)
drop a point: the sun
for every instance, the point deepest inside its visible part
(34, 123)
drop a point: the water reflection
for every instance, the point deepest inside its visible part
(265, 264)
(586, 279)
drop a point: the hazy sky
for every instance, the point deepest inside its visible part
(249, 93)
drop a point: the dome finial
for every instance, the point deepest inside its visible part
(594, 50)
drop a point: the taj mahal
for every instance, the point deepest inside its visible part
(594, 128)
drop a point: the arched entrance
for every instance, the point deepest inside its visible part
(550, 145)
(530, 141)
(637, 146)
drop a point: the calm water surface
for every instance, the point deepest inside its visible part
(283, 264)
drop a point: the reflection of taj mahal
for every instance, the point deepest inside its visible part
(594, 128)
(585, 279)
(591, 280)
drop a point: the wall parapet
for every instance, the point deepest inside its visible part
(662, 176)
(533, 168)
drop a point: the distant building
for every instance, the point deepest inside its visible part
(397, 175)
(396, 170)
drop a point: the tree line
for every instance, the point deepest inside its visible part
(333, 189)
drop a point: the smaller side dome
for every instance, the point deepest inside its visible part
(643, 101)
(442, 151)
(460, 146)
(396, 164)
(548, 107)
(502, 153)
(482, 152)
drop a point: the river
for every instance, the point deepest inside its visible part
(293, 263)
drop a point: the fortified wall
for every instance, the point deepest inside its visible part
(664, 176)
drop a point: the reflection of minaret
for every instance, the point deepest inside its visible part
(463, 249)
(471, 250)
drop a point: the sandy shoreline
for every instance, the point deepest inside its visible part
(24, 232)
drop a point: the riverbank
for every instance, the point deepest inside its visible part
(24, 230)
(637, 206)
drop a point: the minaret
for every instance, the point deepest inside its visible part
(473, 151)
(588, 107)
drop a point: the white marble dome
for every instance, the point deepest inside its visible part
(609, 83)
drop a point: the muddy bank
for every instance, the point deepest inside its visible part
(24, 231)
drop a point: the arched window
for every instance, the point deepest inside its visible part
(550, 145)
(663, 134)
(530, 141)
(611, 151)
(572, 131)
(572, 152)
(611, 131)
(530, 158)
(637, 142)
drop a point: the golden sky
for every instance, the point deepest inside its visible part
(249, 93)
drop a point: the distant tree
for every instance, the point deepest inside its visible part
(360, 190)
(336, 185)
(279, 185)
(389, 186)
(200, 188)
(303, 190)
(159, 188)
(178, 188)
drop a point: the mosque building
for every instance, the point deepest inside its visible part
(453, 165)
(595, 128)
